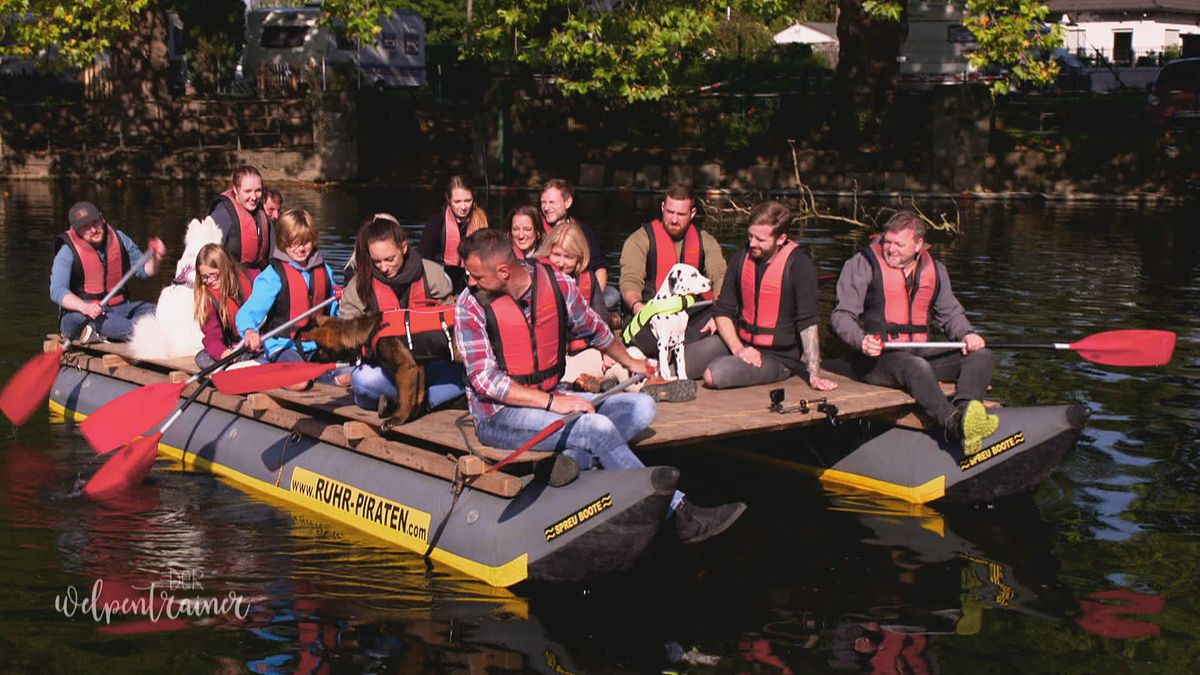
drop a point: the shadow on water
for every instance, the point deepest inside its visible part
(1096, 572)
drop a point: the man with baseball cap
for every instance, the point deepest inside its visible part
(90, 259)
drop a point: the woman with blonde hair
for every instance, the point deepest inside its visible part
(221, 289)
(443, 232)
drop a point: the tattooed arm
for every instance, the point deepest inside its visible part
(811, 340)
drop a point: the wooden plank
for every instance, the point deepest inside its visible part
(260, 402)
(401, 454)
(113, 361)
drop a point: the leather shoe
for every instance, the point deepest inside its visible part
(557, 471)
(694, 523)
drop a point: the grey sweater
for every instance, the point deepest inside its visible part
(947, 312)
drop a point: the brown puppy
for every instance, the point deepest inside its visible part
(344, 339)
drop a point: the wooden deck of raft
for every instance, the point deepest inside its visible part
(328, 413)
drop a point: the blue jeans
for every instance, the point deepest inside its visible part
(601, 439)
(116, 323)
(443, 382)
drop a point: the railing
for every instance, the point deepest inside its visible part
(1126, 58)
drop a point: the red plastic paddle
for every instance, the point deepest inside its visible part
(1131, 348)
(29, 387)
(268, 376)
(127, 467)
(137, 411)
(562, 422)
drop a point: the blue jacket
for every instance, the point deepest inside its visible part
(262, 297)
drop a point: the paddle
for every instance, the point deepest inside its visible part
(1132, 348)
(137, 411)
(562, 422)
(29, 387)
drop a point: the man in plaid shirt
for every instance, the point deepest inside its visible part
(508, 413)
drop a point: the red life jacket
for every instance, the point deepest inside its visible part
(91, 277)
(387, 300)
(422, 321)
(533, 351)
(767, 320)
(901, 653)
(231, 307)
(662, 256)
(296, 297)
(450, 240)
(890, 308)
(253, 244)
(587, 287)
(547, 227)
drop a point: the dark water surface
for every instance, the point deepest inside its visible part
(1095, 573)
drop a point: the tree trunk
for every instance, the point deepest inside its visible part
(867, 71)
(140, 69)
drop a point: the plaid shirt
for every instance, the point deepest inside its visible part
(487, 384)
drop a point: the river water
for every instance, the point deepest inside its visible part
(1096, 572)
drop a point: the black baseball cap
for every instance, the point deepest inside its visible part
(83, 213)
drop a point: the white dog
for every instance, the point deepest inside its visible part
(671, 329)
(172, 331)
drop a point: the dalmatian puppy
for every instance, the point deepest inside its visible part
(670, 329)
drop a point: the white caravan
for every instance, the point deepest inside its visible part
(293, 36)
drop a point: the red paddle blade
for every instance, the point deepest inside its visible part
(1128, 347)
(268, 376)
(29, 386)
(126, 468)
(130, 415)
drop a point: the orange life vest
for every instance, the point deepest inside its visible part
(766, 320)
(450, 239)
(424, 323)
(531, 351)
(91, 277)
(890, 307)
(662, 256)
(253, 245)
(296, 297)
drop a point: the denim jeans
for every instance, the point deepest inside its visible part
(443, 382)
(600, 440)
(116, 323)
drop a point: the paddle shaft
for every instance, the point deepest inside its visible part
(269, 334)
(960, 345)
(564, 421)
(125, 279)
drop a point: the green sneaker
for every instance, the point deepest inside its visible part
(977, 425)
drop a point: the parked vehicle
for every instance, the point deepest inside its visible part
(292, 38)
(1174, 99)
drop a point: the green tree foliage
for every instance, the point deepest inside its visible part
(73, 32)
(1013, 35)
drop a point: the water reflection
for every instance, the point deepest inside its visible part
(1095, 573)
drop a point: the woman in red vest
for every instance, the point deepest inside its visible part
(222, 289)
(566, 250)
(391, 275)
(443, 232)
(524, 231)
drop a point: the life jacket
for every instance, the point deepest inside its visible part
(901, 653)
(890, 308)
(91, 277)
(253, 245)
(422, 321)
(533, 351)
(450, 240)
(518, 252)
(662, 256)
(547, 227)
(653, 308)
(231, 307)
(296, 297)
(766, 320)
(587, 286)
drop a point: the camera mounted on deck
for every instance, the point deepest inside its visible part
(804, 406)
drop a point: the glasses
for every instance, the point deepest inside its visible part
(205, 278)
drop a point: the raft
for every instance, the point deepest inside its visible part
(319, 451)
